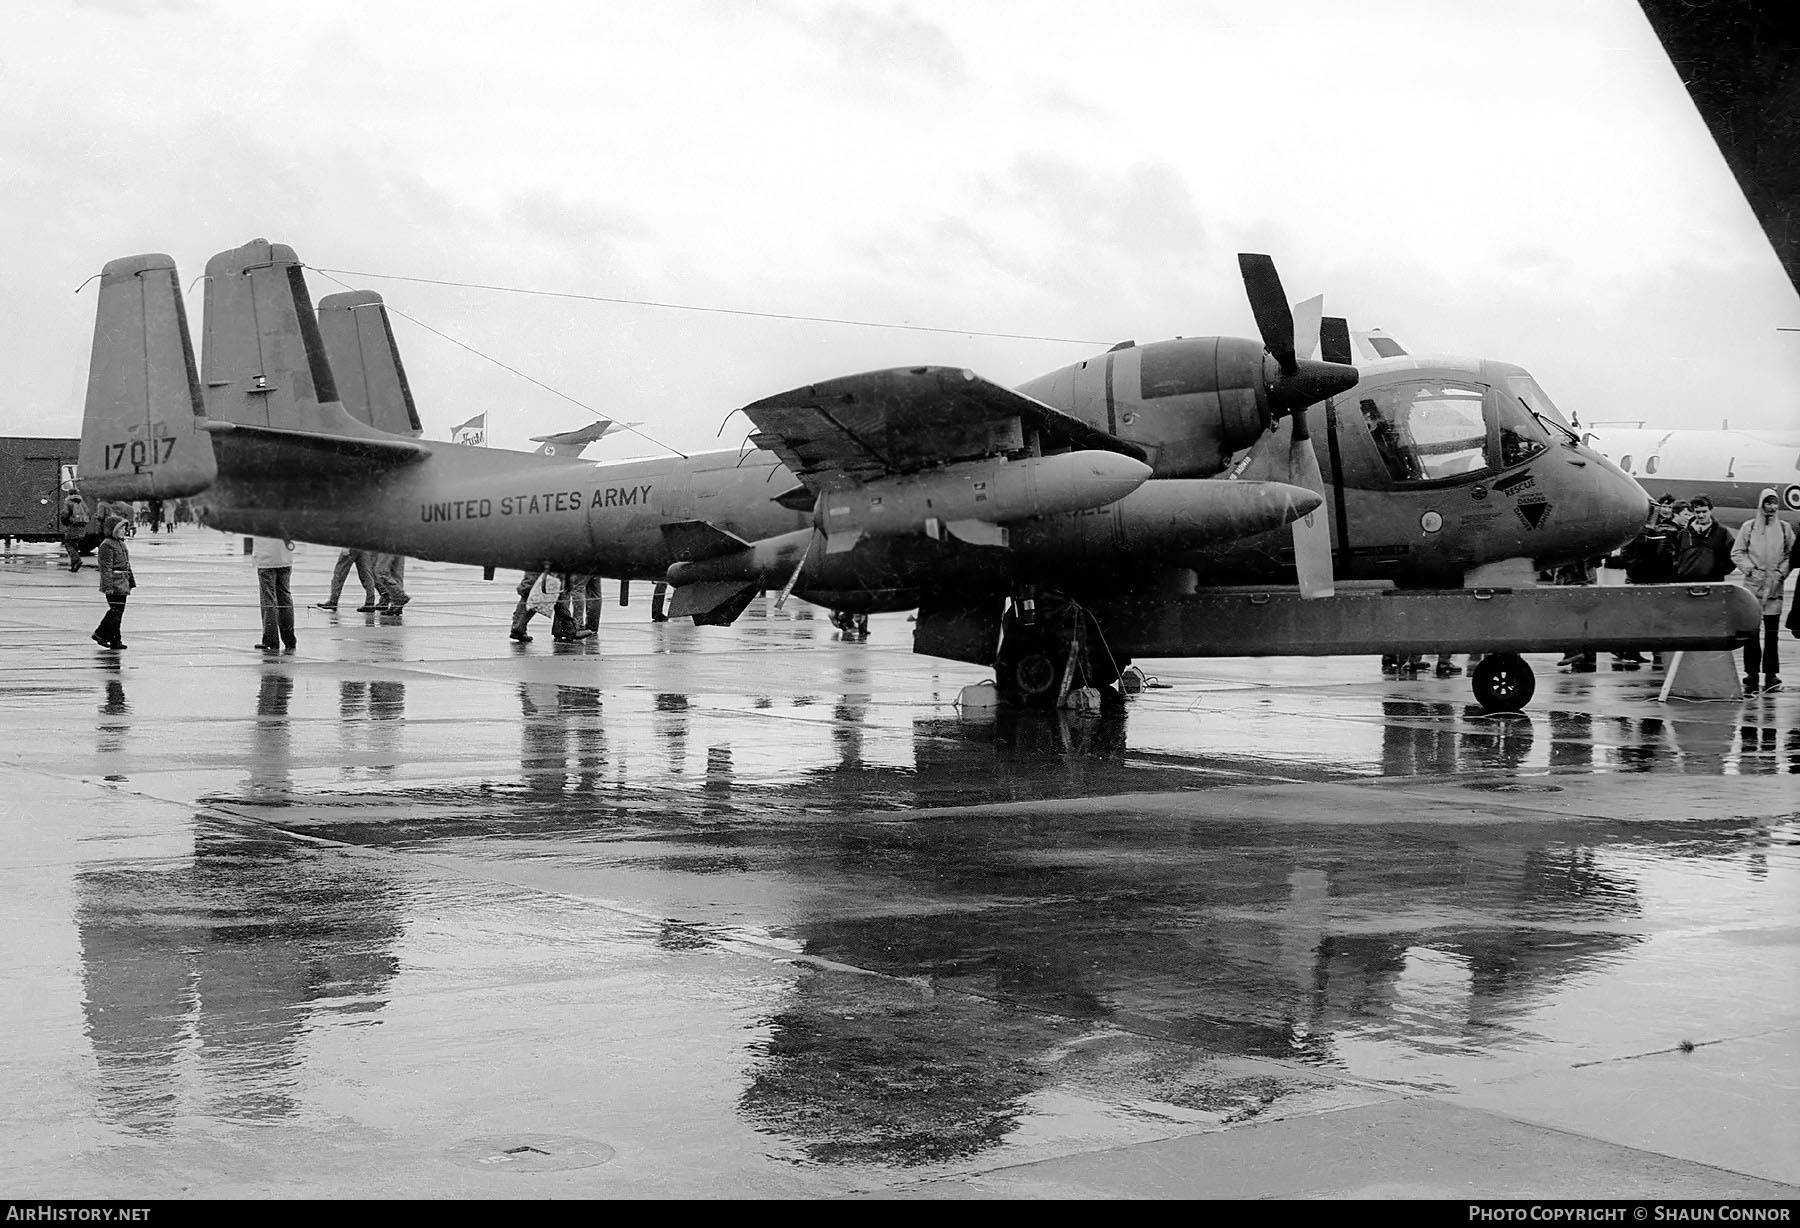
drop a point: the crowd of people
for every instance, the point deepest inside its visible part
(1685, 544)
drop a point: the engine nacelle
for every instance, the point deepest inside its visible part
(1191, 403)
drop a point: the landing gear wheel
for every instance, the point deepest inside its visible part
(1034, 678)
(1503, 682)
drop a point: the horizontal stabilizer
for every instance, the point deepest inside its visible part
(139, 432)
(365, 362)
(380, 451)
(712, 603)
(690, 541)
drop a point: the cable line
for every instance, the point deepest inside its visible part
(327, 274)
(727, 311)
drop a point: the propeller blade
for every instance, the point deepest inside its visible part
(1312, 532)
(1268, 303)
(1334, 340)
(1307, 325)
(794, 577)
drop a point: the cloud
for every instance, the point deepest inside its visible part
(900, 43)
(138, 8)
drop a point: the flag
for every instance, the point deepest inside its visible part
(473, 432)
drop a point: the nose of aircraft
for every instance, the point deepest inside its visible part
(1619, 506)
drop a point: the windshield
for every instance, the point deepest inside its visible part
(1427, 430)
(1539, 403)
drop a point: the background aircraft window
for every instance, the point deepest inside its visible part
(1625, 462)
(1650, 465)
(1428, 430)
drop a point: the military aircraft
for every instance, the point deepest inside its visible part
(1054, 531)
(573, 443)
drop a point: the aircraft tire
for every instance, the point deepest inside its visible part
(1034, 676)
(1503, 682)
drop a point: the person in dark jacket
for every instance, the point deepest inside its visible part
(1651, 560)
(74, 520)
(1702, 546)
(116, 582)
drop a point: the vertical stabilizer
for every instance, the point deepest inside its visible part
(371, 380)
(139, 438)
(263, 362)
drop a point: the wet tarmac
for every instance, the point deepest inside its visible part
(756, 911)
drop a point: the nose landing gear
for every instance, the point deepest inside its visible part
(1503, 682)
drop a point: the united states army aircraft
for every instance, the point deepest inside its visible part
(1205, 496)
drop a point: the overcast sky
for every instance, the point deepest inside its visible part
(1526, 181)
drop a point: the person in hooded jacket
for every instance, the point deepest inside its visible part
(116, 583)
(1761, 551)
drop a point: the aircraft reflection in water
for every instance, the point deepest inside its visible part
(202, 980)
(1053, 532)
(1392, 950)
(1238, 938)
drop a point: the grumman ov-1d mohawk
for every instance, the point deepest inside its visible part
(1054, 532)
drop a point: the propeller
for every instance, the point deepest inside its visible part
(1301, 383)
(1334, 340)
(1298, 382)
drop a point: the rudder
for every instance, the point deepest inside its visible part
(139, 432)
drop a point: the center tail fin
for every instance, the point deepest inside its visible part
(264, 362)
(140, 428)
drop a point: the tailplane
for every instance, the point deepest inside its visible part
(140, 433)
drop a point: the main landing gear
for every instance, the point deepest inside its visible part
(852, 625)
(1049, 649)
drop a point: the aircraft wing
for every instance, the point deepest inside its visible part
(861, 427)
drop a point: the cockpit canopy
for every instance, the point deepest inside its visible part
(1434, 429)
